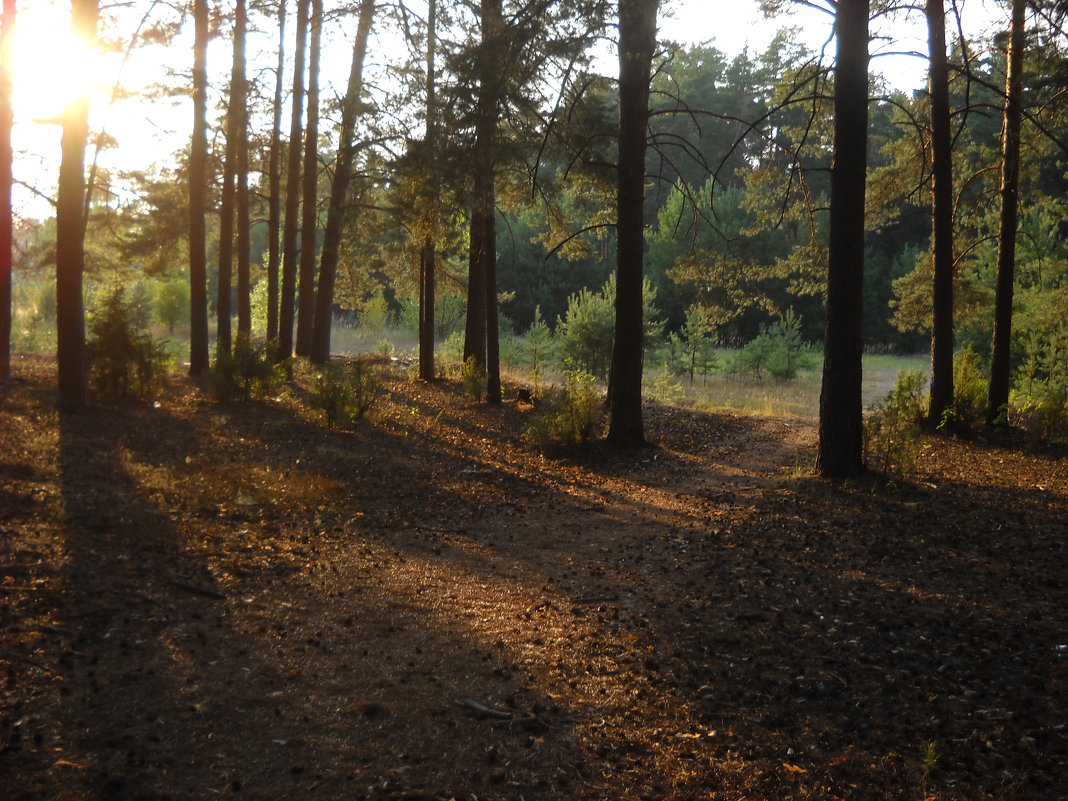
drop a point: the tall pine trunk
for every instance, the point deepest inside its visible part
(293, 188)
(841, 438)
(244, 284)
(480, 342)
(274, 184)
(427, 253)
(235, 113)
(489, 103)
(198, 197)
(70, 233)
(637, 41)
(7, 28)
(339, 189)
(309, 228)
(941, 399)
(1000, 364)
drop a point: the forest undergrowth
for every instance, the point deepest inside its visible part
(203, 598)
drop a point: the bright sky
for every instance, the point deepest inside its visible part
(51, 68)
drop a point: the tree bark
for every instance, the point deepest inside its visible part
(637, 41)
(481, 341)
(235, 112)
(339, 189)
(309, 221)
(244, 266)
(7, 28)
(70, 233)
(293, 188)
(198, 179)
(274, 185)
(485, 179)
(427, 253)
(941, 399)
(841, 437)
(1000, 364)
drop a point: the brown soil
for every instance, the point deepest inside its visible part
(204, 600)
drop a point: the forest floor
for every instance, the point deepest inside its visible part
(201, 600)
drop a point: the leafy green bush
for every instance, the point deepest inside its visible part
(473, 376)
(571, 414)
(970, 389)
(1039, 402)
(538, 346)
(345, 394)
(172, 302)
(248, 371)
(587, 330)
(779, 350)
(693, 347)
(892, 432)
(124, 359)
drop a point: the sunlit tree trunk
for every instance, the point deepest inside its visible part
(240, 86)
(235, 114)
(339, 189)
(427, 253)
(7, 27)
(486, 165)
(70, 233)
(309, 228)
(480, 335)
(637, 41)
(293, 188)
(1000, 364)
(841, 438)
(274, 184)
(941, 398)
(198, 180)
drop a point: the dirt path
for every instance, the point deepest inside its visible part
(202, 599)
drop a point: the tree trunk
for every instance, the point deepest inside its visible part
(427, 254)
(489, 103)
(70, 233)
(941, 399)
(234, 118)
(841, 438)
(1000, 364)
(637, 41)
(481, 340)
(339, 189)
(274, 188)
(198, 181)
(475, 322)
(7, 28)
(309, 222)
(244, 285)
(289, 234)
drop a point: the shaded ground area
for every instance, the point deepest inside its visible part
(203, 600)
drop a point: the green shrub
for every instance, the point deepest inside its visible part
(172, 302)
(473, 376)
(692, 349)
(970, 389)
(450, 354)
(248, 371)
(779, 350)
(587, 330)
(1039, 402)
(124, 359)
(570, 415)
(892, 432)
(538, 346)
(345, 394)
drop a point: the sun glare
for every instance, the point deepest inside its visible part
(51, 66)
